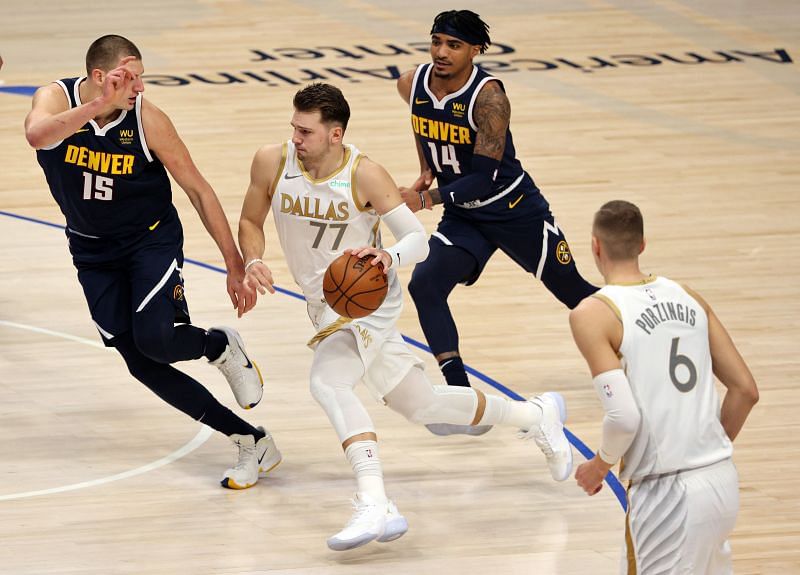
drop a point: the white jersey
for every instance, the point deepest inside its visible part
(318, 219)
(666, 356)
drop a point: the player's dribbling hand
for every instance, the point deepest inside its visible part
(382, 257)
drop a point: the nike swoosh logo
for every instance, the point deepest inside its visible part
(512, 205)
(262, 456)
(418, 101)
(82, 130)
(288, 177)
(154, 226)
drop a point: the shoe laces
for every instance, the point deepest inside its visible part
(361, 509)
(246, 454)
(539, 434)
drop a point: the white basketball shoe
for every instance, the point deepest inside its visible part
(255, 458)
(549, 435)
(242, 374)
(371, 521)
(396, 524)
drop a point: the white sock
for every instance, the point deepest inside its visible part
(363, 458)
(521, 414)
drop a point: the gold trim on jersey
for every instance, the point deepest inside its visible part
(607, 300)
(630, 552)
(375, 233)
(648, 280)
(354, 184)
(277, 178)
(329, 330)
(313, 180)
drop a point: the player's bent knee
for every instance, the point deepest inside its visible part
(153, 348)
(568, 286)
(322, 392)
(418, 286)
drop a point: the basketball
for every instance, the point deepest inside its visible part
(353, 287)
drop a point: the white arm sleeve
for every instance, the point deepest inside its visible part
(412, 242)
(622, 418)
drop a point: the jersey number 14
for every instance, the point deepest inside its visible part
(448, 157)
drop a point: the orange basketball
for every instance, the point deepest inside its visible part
(353, 287)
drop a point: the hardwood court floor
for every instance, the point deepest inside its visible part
(689, 109)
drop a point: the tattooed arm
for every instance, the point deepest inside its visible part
(492, 114)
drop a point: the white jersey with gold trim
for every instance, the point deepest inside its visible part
(666, 356)
(318, 219)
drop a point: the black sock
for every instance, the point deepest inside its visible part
(453, 371)
(215, 344)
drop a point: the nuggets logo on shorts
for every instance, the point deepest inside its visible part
(563, 255)
(177, 293)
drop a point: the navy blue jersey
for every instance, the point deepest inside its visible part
(447, 131)
(106, 181)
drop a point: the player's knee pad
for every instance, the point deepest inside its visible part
(322, 392)
(420, 402)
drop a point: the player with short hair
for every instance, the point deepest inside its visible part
(105, 152)
(653, 348)
(326, 197)
(460, 118)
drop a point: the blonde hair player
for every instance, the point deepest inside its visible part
(326, 198)
(653, 347)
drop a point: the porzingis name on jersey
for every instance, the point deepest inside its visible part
(312, 208)
(439, 130)
(101, 162)
(658, 313)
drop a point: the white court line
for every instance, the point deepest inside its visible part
(198, 440)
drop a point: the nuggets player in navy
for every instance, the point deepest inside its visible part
(105, 152)
(460, 118)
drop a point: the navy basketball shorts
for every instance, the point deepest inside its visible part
(146, 280)
(536, 244)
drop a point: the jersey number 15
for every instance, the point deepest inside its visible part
(97, 187)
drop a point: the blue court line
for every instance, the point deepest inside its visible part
(611, 479)
(20, 90)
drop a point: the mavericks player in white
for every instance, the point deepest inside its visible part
(653, 348)
(328, 198)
